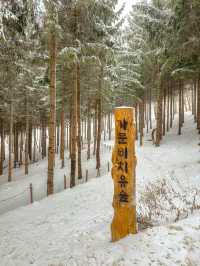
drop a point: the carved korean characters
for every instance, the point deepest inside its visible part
(123, 174)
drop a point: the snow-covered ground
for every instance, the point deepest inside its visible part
(17, 192)
(73, 227)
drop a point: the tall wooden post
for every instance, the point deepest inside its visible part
(123, 174)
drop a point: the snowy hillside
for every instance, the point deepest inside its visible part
(73, 227)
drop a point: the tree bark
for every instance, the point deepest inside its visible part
(150, 112)
(30, 140)
(52, 115)
(88, 130)
(136, 121)
(21, 147)
(180, 109)
(198, 105)
(10, 139)
(171, 105)
(62, 122)
(74, 129)
(16, 151)
(79, 122)
(195, 101)
(95, 130)
(99, 117)
(164, 112)
(159, 117)
(34, 143)
(2, 147)
(27, 139)
(141, 121)
(168, 102)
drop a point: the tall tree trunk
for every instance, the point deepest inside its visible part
(168, 102)
(109, 126)
(198, 105)
(141, 121)
(67, 135)
(180, 109)
(182, 103)
(52, 115)
(62, 122)
(192, 100)
(159, 117)
(95, 130)
(171, 104)
(164, 112)
(34, 143)
(30, 140)
(21, 147)
(136, 121)
(70, 133)
(150, 112)
(88, 129)
(10, 138)
(44, 139)
(79, 122)
(195, 101)
(15, 145)
(2, 147)
(27, 139)
(74, 129)
(99, 117)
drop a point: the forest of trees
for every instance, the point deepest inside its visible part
(64, 66)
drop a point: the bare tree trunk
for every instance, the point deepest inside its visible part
(180, 110)
(171, 105)
(57, 138)
(182, 103)
(164, 112)
(88, 130)
(27, 139)
(79, 122)
(15, 145)
(2, 147)
(141, 119)
(150, 112)
(67, 135)
(10, 138)
(21, 147)
(95, 130)
(74, 129)
(30, 139)
(198, 105)
(195, 101)
(52, 115)
(136, 121)
(62, 122)
(168, 102)
(159, 117)
(109, 126)
(70, 133)
(99, 117)
(62, 139)
(34, 143)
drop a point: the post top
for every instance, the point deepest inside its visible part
(124, 107)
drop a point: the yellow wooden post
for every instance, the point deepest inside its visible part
(123, 174)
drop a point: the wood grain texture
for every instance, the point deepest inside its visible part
(123, 174)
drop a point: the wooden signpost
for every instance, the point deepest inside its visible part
(123, 174)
